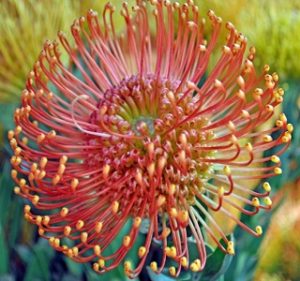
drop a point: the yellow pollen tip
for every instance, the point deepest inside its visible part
(127, 265)
(268, 201)
(97, 250)
(64, 212)
(161, 200)
(166, 232)
(282, 117)
(79, 224)
(96, 266)
(221, 191)
(172, 270)
(194, 267)
(35, 199)
(275, 159)
(267, 138)
(183, 216)
(153, 266)
(290, 128)
(227, 170)
(171, 189)
(75, 251)
(183, 261)
(126, 241)
(67, 230)
(266, 186)
(74, 184)
(105, 171)
(277, 171)
(151, 169)
(84, 237)
(249, 146)
(142, 251)
(230, 248)
(255, 202)
(259, 230)
(173, 213)
(101, 263)
(63, 160)
(137, 222)
(98, 227)
(17, 190)
(115, 207)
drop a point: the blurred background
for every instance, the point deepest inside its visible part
(271, 26)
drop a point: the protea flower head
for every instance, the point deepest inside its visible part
(127, 133)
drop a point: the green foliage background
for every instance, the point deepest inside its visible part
(271, 26)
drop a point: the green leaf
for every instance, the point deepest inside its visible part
(3, 253)
(38, 267)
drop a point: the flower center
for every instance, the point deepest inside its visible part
(155, 141)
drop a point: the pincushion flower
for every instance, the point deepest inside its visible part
(129, 134)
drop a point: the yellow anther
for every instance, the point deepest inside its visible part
(275, 159)
(63, 160)
(268, 201)
(56, 179)
(183, 216)
(64, 211)
(231, 126)
(17, 190)
(67, 230)
(35, 199)
(255, 202)
(127, 265)
(97, 250)
(79, 224)
(56, 242)
(22, 182)
(221, 191)
(98, 227)
(137, 222)
(172, 270)
(267, 138)
(38, 220)
(282, 117)
(75, 251)
(194, 267)
(171, 97)
(161, 200)
(249, 146)
(266, 186)
(151, 169)
(61, 169)
(162, 161)
(14, 173)
(84, 237)
(40, 138)
(269, 108)
(183, 139)
(166, 232)
(139, 177)
(41, 231)
(101, 263)
(126, 241)
(10, 134)
(172, 252)
(95, 266)
(230, 248)
(153, 266)
(277, 171)
(27, 209)
(286, 138)
(227, 170)
(259, 230)
(105, 171)
(184, 261)
(173, 213)
(74, 184)
(115, 207)
(171, 189)
(46, 220)
(142, 251)
(290, 127)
